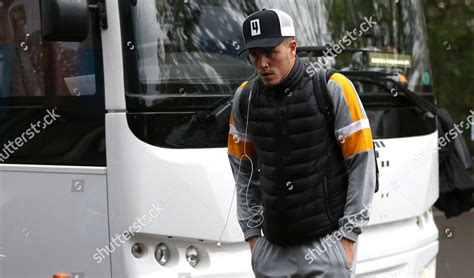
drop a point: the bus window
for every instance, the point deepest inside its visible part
(183, 66)
(40, 78)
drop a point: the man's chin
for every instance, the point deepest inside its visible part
(269, 81)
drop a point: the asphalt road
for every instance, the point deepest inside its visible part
(456, 246)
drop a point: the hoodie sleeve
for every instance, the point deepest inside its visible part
(243, 161)
(354, 135)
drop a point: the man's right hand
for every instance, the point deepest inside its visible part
(252, 241)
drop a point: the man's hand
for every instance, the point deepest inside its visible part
(252, 241)
(348, 246)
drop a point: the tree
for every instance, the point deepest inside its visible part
(450, 25)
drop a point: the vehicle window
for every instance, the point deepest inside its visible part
(51, 99)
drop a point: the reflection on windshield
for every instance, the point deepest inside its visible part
(182, 43)
(181, 61)
(30, 66)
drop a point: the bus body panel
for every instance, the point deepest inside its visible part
(52, 220)
(398, 249)
(194, 189)
(140, 175)
(195, 185)
(112, 57)
(406, 195)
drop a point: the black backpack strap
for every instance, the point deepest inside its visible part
(323, 108)
(244, 98)
(321, 93)
(320, 81)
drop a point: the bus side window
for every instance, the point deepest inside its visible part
(37, 76)
(35, 67)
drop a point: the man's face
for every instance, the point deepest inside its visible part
(273, 64)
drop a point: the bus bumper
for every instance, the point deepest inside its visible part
(405, 248)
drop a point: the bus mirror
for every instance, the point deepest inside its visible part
(64, 20)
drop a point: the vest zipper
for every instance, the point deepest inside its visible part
(326, 200)
(279, 140)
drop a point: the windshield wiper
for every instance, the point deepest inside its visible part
(215, 111)
(379, 78)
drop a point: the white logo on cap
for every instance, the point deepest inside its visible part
(255, 27)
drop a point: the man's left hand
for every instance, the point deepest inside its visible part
(348, 246)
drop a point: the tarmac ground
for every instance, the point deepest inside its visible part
(456, 245)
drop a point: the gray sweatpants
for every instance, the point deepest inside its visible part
(318, 258)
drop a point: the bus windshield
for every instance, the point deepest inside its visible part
(182, 67)
(189, 47)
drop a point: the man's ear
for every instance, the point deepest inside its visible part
(292, 47)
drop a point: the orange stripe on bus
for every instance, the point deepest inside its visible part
(357, 142)
(236, 147)
(350, 95)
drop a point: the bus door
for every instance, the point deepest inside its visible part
(53, 202)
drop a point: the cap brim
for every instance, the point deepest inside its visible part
(265, 43)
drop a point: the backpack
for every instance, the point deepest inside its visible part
(320, 80)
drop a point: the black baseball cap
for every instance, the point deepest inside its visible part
(266, 28)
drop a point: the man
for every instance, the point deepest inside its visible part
(307, 190)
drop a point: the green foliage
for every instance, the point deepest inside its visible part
(450, 25)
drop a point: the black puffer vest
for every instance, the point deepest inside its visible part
(303, 176)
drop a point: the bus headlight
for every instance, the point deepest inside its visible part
(162, 254)
(138, 250)
(192, 256)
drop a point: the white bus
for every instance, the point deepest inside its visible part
(114, 123)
